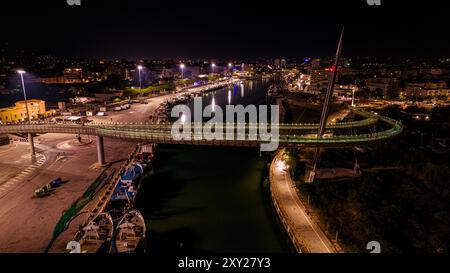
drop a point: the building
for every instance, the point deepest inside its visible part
(385, 86)
(315, 63)
(244, 67)
(279, 63)
(429, 85)
(18, 112)
(344, 90)
(73, 75)
(427, 89)
(319, 79)
(70, 75)
(62, 106)
(52, 80)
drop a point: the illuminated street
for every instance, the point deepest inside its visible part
(307, 234)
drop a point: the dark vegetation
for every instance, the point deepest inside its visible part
(402, 198)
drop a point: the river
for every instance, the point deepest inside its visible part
(211, 199)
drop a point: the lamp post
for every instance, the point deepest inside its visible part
(140, 82)
(353, 96)
(30, 136)
(213, 65)
(182, 66)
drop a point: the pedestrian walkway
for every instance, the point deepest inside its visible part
(305, 234)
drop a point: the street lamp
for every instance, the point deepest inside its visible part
(230, 65)
(182, 66)
(21, 72)
(30, 136)
(213, 65)
(140, 82)
(353, 96)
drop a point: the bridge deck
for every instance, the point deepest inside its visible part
(161, 133)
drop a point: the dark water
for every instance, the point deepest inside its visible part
(211, 199)
(50, 93)
(250, 92)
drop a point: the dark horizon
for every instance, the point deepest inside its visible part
(143, 30)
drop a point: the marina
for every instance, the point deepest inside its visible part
(113, 224)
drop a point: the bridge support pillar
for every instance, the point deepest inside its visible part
(100, 150)
(33, 151)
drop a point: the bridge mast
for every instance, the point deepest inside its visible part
(326, 105)
(330, 88)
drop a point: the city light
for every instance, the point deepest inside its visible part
(353, 96)
(140, 67)
(30, 136)
(182, 66)
(21, 72)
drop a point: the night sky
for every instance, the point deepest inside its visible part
(225, 29)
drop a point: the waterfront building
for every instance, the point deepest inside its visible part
(18, 112)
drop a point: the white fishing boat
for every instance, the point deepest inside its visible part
(97, 235)
(130, 233)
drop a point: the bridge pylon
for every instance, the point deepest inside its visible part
(100, 151)
(326, 105)
(33, 150)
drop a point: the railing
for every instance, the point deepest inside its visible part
(160, 133)
(281, 126)
(370, 120)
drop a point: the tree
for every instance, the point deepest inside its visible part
(379, 93)
(114, 81)
(362, 94)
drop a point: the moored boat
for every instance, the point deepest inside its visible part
(97, 235)
(130, 233)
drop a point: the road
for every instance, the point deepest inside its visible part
(303, 228)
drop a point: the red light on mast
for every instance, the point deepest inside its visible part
(331, 69)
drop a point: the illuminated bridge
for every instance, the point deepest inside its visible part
(290, 135)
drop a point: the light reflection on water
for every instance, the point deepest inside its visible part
(210, 199)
